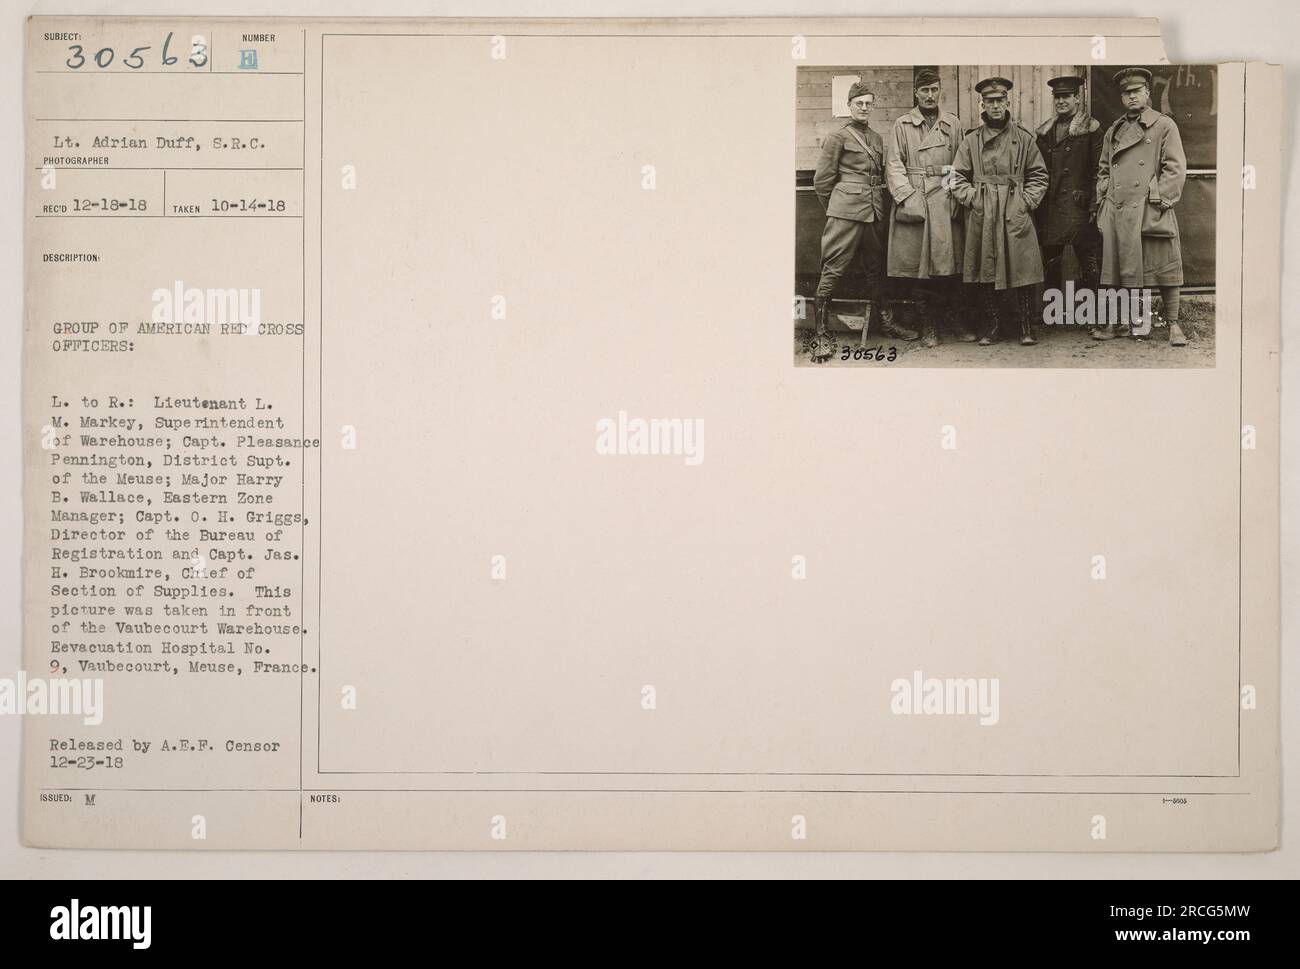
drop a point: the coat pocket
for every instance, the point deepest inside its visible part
(912, 208)
(1018, 220)
(1104, 216)
(1158, 222)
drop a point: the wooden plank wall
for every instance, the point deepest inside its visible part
(891, 85)
(1031, 98)
(1031, 102)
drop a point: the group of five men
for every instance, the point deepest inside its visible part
(981, 218)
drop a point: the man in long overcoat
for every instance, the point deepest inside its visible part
(925, 233)
(850, 183)
(1000, 178)
(1070, 143)
(1139, 181)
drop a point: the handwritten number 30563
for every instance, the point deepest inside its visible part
(135, 60)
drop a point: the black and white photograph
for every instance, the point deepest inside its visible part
(1006, 216)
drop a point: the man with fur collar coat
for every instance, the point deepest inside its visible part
(1070, 144)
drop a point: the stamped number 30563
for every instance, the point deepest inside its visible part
(869, 354)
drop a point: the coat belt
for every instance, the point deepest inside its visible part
(999, 180)
(866, 180)
(934, 171)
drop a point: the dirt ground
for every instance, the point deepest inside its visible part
(1058, 346)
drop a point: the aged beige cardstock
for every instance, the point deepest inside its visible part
(347, 344)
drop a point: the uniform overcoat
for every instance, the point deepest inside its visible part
(1139, 180)
(925, 233)
(1000, 178)
(1072, 167)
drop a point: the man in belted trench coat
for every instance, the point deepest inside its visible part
(1070, 144)
(1000, 178)
(850, 183)
(1139, 181)
(925, 233)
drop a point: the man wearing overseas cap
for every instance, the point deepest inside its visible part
(1139, 181)
(925, 233)
(1070, 144)
(1000, 178)
(850, 183)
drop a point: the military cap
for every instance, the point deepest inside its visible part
(993, 83)
(925, 77)
(1067, 84)
(858, 89)
(1130, 76)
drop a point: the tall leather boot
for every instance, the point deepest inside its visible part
(882, 321)
(822, 347)
(957, 321)
(1144, 317)
(989, 311)
(929, 323)
(1023, 305)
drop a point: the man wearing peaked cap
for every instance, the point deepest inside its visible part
(1070, 143)
(925, 232)
(999, 177)
(993, 84)
(1140, 179)
(850, 183)
(1126, 75)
